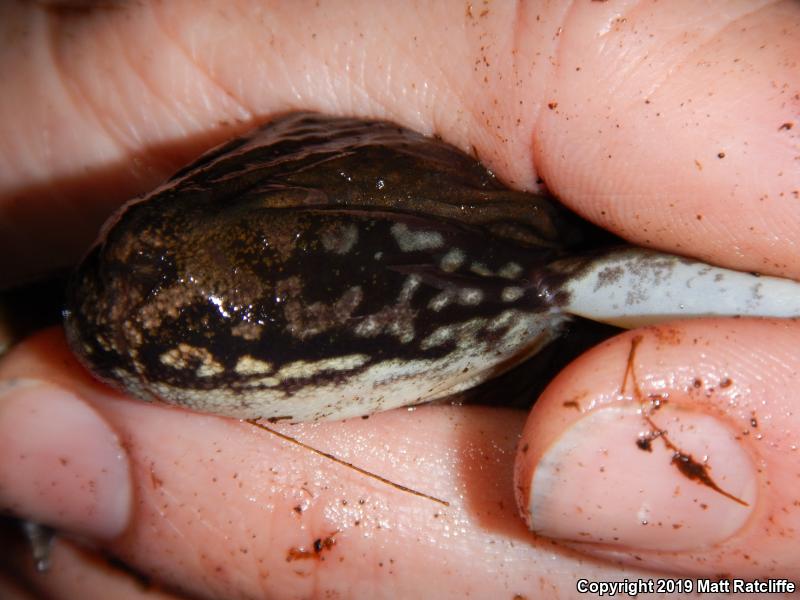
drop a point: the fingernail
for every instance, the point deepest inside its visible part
(609, 480)
(61, 463)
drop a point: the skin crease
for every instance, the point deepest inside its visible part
(626, 127)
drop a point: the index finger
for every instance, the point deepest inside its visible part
(576, 97)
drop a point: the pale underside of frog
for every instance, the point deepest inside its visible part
(324, 268)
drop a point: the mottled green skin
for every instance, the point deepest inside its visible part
(290, 262)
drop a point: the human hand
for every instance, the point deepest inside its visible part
(667, 127)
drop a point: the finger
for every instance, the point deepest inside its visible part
(118, 120)
(680, 129)
(74, 572)
(121, 121)
(675, 451)
(223, 509)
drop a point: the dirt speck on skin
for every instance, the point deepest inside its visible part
(687, 465)
(280, 418)
(318, 547)
(657, 401)
(668, 336)
(155, 481)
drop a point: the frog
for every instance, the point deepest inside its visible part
(323, 267)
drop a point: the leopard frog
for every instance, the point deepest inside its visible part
(324, 267)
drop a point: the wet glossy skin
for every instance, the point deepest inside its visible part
(320, 268)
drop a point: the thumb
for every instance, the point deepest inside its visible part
(673, 447)
(684, 138)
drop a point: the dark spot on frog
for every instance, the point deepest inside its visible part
(280, 418)
(609, 276)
